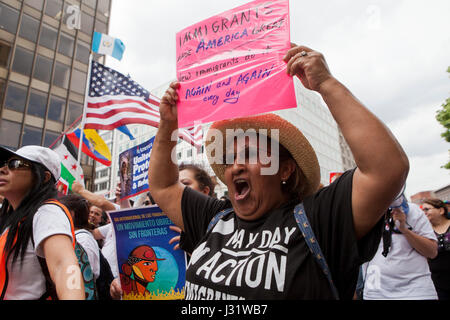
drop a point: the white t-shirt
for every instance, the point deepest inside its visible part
(404, 273)
(109, 248)
(87, 241)
(26, 280)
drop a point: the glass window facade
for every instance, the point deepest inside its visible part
(37, 104)
(66, 44)
(5, 54)
(23, 60)
(48, 38)
(43, 68)
(56, 109)
(16, 97)
(78, 83)
(37, 4)
(75, 111)
(103, 7)
(61, 76)
(31, 136)
(9, 133)
(50, 137)
(82, 52)
(53, 8)
(87, 23)
(29, 28)
(43, 64)
(8, 18)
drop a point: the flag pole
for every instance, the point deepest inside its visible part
(83, 120)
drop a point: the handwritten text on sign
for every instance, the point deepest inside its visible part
(231, 65)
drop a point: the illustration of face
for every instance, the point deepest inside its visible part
(146, 270)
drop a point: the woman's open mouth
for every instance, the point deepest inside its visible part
(242, 189)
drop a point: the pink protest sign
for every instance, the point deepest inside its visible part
(231, 65)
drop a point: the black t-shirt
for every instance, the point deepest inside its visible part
(440, 266)
(269, 258)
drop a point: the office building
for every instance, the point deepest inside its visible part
(44, 52)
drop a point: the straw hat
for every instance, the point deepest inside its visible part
(290, 138)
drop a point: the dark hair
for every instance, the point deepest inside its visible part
(200, 175)
(437, 203)
(20, 220)
(294, 186)
(80, 208)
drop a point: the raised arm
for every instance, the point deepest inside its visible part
(382, 164)
(163, 172)
(95, 199)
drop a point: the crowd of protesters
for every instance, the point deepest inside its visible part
(347, 225)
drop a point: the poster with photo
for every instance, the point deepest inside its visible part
(133, 169)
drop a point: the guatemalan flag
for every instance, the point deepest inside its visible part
(104, 44)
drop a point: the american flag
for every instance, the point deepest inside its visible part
(115, 100)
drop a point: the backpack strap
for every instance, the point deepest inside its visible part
(308, 234)
(50, 288)
(68, 215)
(219, 216)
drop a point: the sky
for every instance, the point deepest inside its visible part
(392, 55)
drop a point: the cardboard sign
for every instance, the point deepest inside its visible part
(149, 268)
(133, 170)
(231, 65)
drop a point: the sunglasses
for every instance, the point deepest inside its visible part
(14, 164)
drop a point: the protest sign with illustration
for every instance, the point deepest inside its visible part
(231, 65)
(149, 268)
(133, 169)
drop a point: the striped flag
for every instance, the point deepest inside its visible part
(70, 170)
(104, 44)
(116, 100)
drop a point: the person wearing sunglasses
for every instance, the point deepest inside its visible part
(31, 226)
(437, 212)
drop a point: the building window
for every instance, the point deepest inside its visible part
(75, 111)
(82, 52)
(5, 50)
(37, 4)
(43, 69)
(102, 186)
(66, 44)
(61, 77)
(90, 3)
(87, 23)
(50, 138)
(37, 104)
(2, 89)
(16, 96)
(23, 60)
(9, 133)
(78, 83)
(29, 28)
(56, 109)
(101, 27)
(8, 18)
(53, 8)
(31, 136)
(48, 37)
(103, 7)
(102, 173)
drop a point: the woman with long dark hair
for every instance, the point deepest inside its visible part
(437, 212)
(31, 227)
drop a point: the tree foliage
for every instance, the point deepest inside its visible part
(443, 117)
